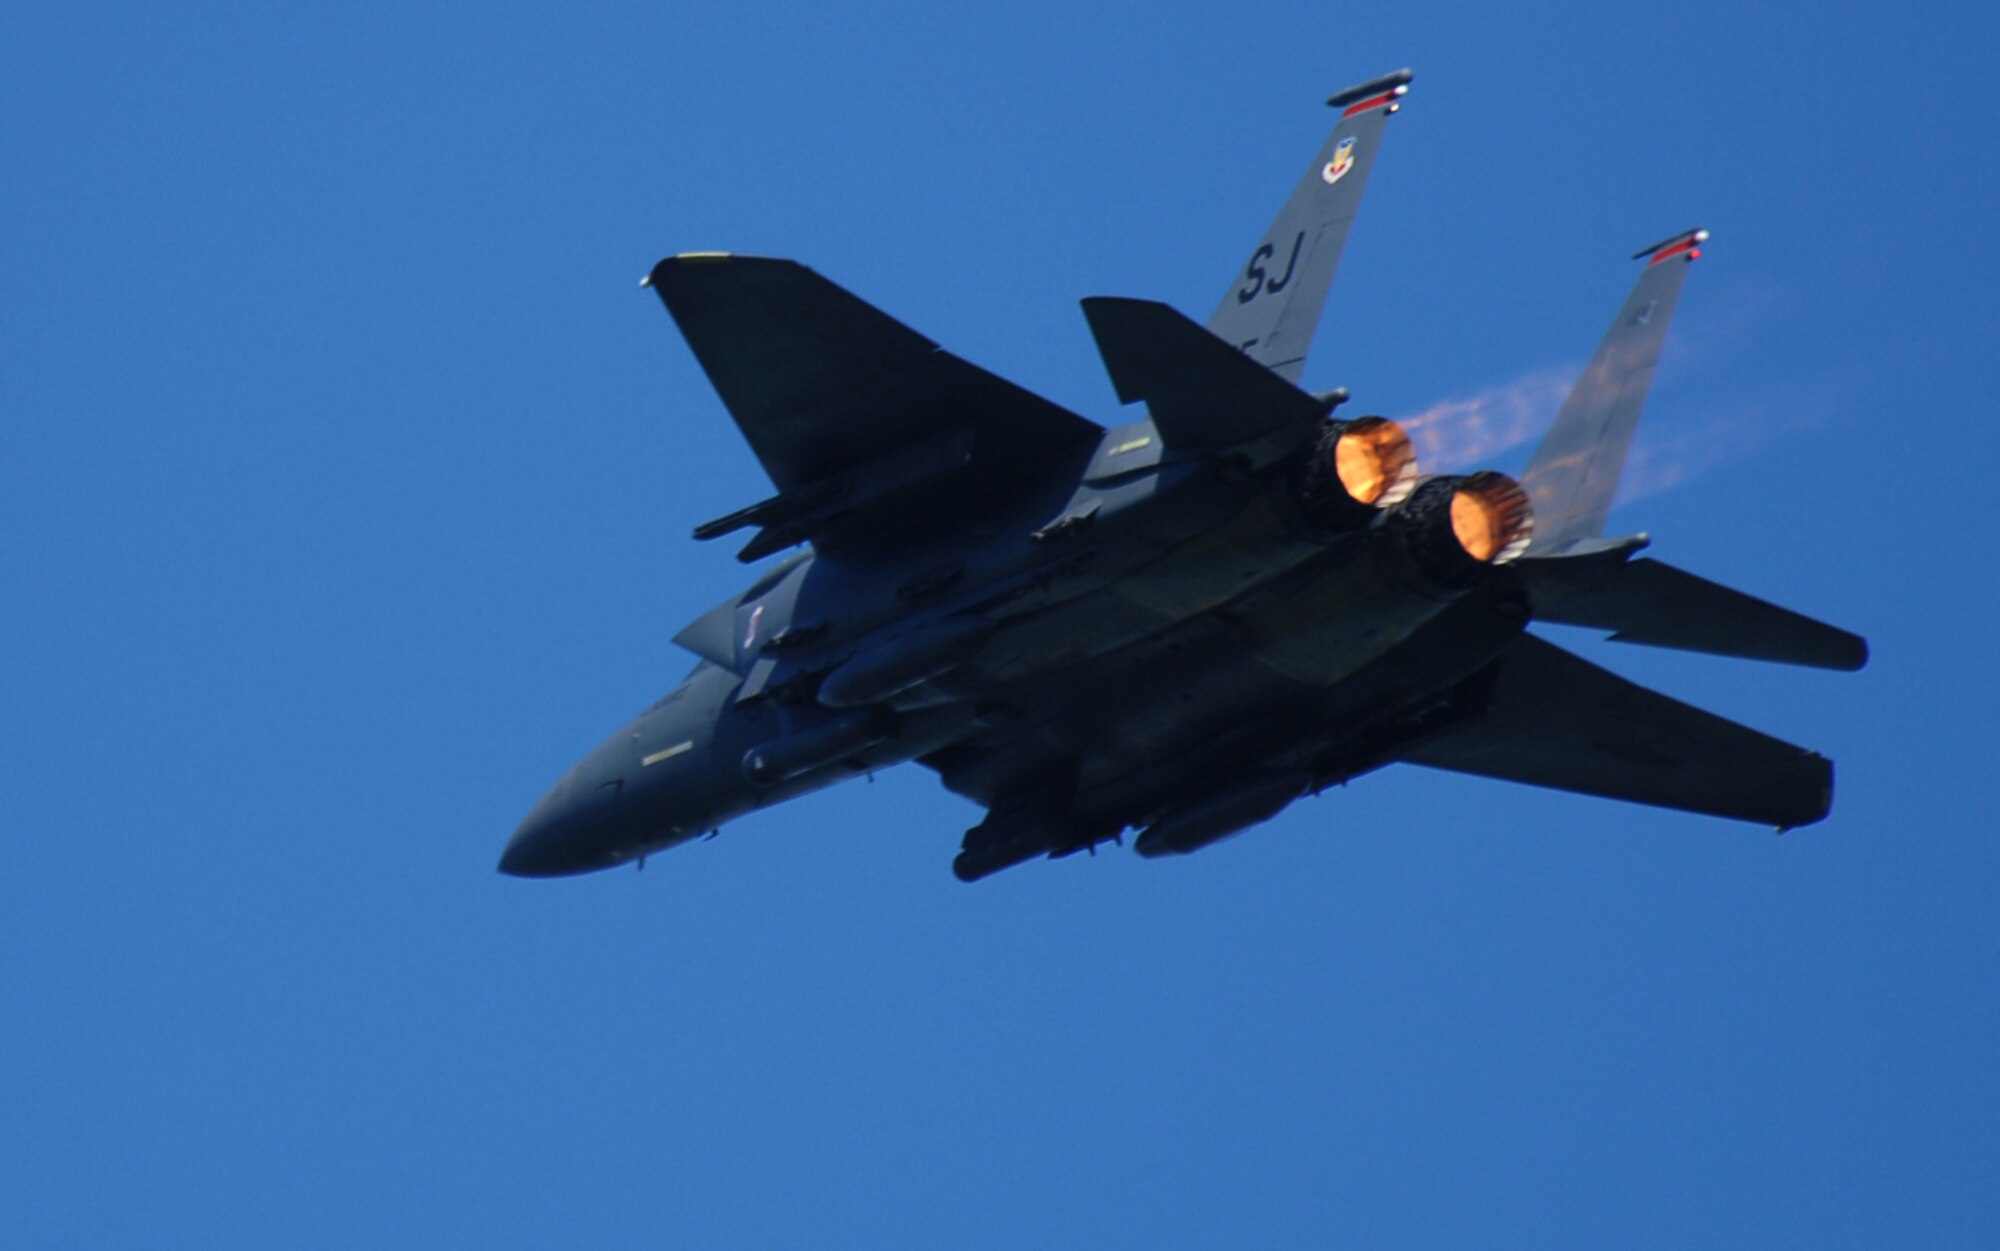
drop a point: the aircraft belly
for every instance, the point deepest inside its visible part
(1141, 594)
(1173, 716)
(1335, 625)
(1214, 568)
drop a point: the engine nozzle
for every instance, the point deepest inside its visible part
(1353, 469)
(1491, 518)
(1375, 463)
(1454, 529)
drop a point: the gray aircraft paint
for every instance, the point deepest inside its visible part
(1272, 308)
(1575, 471)
(1176, 625)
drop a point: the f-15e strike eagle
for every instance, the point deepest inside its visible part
(1178, 625)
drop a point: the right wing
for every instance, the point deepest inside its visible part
(1559, 721)
(1273, 307)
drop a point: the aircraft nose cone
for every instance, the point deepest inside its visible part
(533, 853)
(553, 841)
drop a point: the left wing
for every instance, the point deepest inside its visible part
(843, 404)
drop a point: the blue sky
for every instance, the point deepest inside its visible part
(347, 477)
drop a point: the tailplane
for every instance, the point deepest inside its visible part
(1576, 577)
(1646, 601)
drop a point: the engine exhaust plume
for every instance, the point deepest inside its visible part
(1466, 430)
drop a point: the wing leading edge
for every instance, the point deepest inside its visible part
(822, 383)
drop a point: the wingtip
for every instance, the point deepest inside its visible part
(1814, 803)
(1857, 655)
(689, 264)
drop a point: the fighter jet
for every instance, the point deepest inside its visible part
(1178, 625)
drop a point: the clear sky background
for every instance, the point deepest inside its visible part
(345, 482)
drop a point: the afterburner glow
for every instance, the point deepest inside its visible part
(1375, 462)
(1491, 518)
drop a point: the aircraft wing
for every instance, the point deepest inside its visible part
(823, 384)
(1559, 721)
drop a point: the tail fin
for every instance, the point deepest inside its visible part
(1273, 307)
(1575, 471)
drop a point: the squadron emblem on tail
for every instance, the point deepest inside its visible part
(1343, 160)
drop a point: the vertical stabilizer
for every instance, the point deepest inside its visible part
(1575, 471)
(1273, 307)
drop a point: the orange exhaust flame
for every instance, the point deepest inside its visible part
(1491, 518)
(1457, 433)
(1375, 462)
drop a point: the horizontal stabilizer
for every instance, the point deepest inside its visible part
(1645, 601)
(1558, 721)
(821, 382)
(1201, 392)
